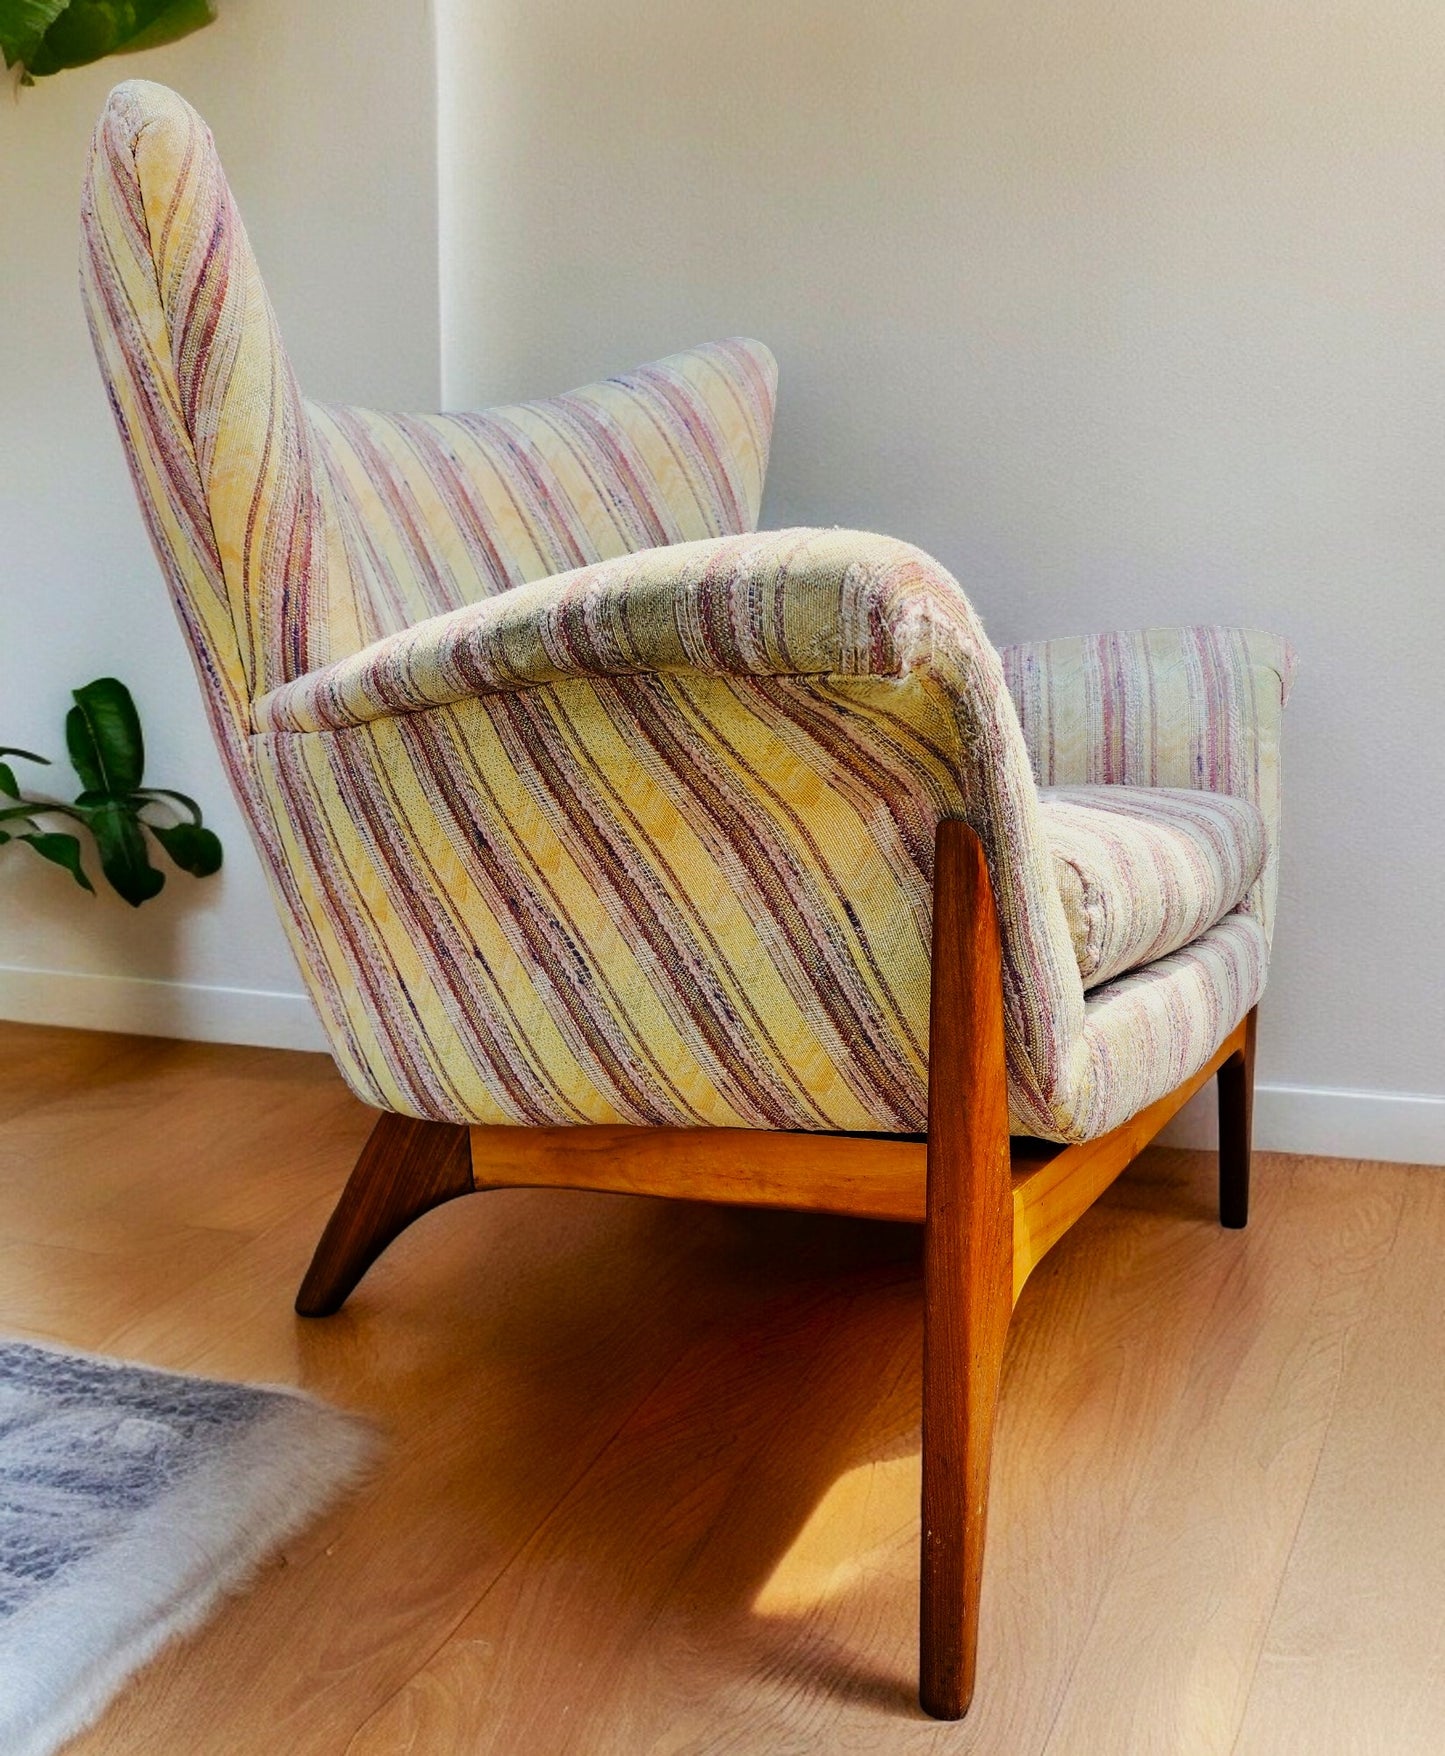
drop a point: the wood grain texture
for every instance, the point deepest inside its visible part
(652, 1480)
(406, 1168)
(1216, 1518)
(968, 1250)
(858, 1175)
(1354, 1645)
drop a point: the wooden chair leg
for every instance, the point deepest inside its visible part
(1236, 1121)
(405, 1169)
(968, 1264)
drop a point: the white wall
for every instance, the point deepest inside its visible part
(325, 117)
(1131, 311)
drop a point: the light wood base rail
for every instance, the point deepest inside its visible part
(991, 1208)
(853, 1174)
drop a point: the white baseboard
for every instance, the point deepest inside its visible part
(1404, 1127)
(159, 1009)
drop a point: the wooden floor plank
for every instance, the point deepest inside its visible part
(1356, 1644)
(718, 1580)
(37, 1064)
(1228, 1479)
(651, 1475)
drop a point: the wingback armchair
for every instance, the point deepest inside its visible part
(622, 846)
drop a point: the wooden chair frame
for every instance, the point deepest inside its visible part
(990, 1208)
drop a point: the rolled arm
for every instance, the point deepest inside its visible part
(1164, 707)
(781, 603)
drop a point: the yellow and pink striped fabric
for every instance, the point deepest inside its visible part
(584, 802)
(1161, 707)
(1143, 871)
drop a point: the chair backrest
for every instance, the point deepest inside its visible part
(436, 511)
(293, 534)
(215, 431)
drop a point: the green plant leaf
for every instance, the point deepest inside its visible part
(23, 23)
(176, 19)
(8, 783)
(193, 849)
(155, 795)
(123, 855)
(103, 736)
(88, 29)
(84, 31)
(28, 806)
(60, 850)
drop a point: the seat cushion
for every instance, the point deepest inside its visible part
(1143, 871)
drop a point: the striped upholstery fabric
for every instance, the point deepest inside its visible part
(1167, 707)
(303, 532)
(581, 801)
(1143, 871)
(434, 511)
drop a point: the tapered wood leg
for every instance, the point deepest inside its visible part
(1236, 1122)
(968, 1264)
(405, 1169)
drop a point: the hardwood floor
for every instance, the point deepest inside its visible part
(652, 1476)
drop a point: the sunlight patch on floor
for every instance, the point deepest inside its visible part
(851, 1535)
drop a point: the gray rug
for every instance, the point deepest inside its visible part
(130, 1500)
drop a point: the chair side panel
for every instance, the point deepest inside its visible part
(687, 900)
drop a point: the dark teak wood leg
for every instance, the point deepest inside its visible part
(1236, 1119)
(968, 1264)
(405, 1169)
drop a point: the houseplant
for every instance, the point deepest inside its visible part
(41, 37)
(107, 751)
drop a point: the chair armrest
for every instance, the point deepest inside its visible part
(1164, 707)
(779, 603)
(795, 711)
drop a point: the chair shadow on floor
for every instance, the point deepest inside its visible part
(704, 1500)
